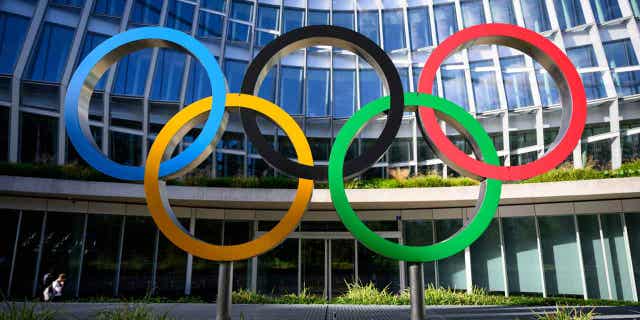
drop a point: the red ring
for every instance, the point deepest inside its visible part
(450, 152)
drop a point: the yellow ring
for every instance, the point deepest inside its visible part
(158, 203)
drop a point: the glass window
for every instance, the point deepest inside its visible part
(582, 57)
(313, 265)
(229, 165)
(620, 53)
(373, 268)
(536, 17)
(92, 40)
(180, 15)
(344, 19)
(292, 19)
(454, 86)
(125, 148)
(616, 257)
(605, 10)
(8, 229)
(419, 27)
(101, 247)
(241, 10)
(231, 141)
(239, 32)
(5, 116)
(593, 257)
(62, 247)
(137, 256)
(268, 86)
(369, 25)
(217, 5)
(569, 13)
(198, 85)
(370, 86)
(317, 17)
(416, 81)
(278, 269)
(560, 255)
(13, 29)
(131, 75)
(548, 89)
(267, 19)
(318, 98)
(342, 265)
(485, 91)
(72, 3)
(502, 11)
(204, 278)
(258, 168)
(50, 55)
(635, 5)
(521, 255)
(452, 269)
(472, 13)
(486, 260)
(113, 8)
(291, 89)
(171, 267)
(27, 255)
(633, 228)
(446, 23)
(627, 83)
(401, 150)
(167, 79)
(344, 92)
(210, 25)
(146, 12)
(38, 138)
(593, 85)
(420, 233)
(234, 71)
(393, 28)
(516, 84)
(522, 139)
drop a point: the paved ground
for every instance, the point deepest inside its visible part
(82, 311)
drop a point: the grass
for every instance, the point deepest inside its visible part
(566, 314)
(131, 312)
(24, 311)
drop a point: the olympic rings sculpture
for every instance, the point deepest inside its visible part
(210, 113)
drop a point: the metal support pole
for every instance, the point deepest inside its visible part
(225, 287)
(417, 291)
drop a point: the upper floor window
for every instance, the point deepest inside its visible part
(239, 32)
(344, 19)
(13, 29)
(369, 25)
(620, 53)
(71, 3)
(485, 91)
(593, 85)
(210, 24)
(516, 83)
(472, 13)
(547, 87)
(146, 11)
(344, 92)
(417, 71)
(446, 23)
(217, 5)
(268, 86)
(393, 28)
(267, 20)
(318, 98)
(569, 13)
(167, 78)
(455, 87)
(198, 85)
(502, 11)
(292, 19)
(234, 71)
(317, 17)
(605, 10)
(131, 75)
(370, 86)
(635, 6)
(180, 15)
(535, 15)
(419, 27)
(113, 8)
(50, 55)
(92, 40)
(291, 89)
(583, 56)
(241, 10)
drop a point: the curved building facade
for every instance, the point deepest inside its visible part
(41, 43)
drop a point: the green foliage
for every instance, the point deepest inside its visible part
(24, 311)
(429, 181)
(358, 293)
(246, 297)
(566, 314)
(629, 169)
(131, 312)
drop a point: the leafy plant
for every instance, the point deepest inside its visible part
(131, 312)
(24, 311)
(566, 314)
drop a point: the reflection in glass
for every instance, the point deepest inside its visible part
(100, 255)
(393, 30)
(137, 256)
(521, 255)
(234, 73)
(92, 40)
(229, 165)
(125, 148)
(131, 75)
(593, 257)
(502, 11)
(38, 138)
(146, 12)
(454, 86)
(485, 91)
(486, 260)
(180, 15)
(343, 19)
(370, 86)
(616, 257)
(318, 97)
(516, 83)
(13, 29)
(419, 27)
(593, 85)
(210, 25)
(217, 5)
(369, 25)
(50, 54)
(632, 221)
(452, 269)
(316, 17)
(113, 8)
(569, 13)
(313, 266)
(560, 255)
(172, 267)
(472, 13)
(344, 94)
(342, 265)
(605, 10)
(420, 233)
(291, 89)
(582, 56)
(627, 83)
(536, 17)
(204, 278)
(373, 268)
(278, 269)
(167, 79)
(445, 16)
(292, 19)
(27, 255)
(8, 229)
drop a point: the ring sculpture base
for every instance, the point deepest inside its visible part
(225, 287)
(417, 291)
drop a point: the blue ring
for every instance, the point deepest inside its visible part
(87, 149)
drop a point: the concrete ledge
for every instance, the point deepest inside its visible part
(627, 189)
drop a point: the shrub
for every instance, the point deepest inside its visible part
(358, 293)
(24, 311)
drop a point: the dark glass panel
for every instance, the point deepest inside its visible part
(38, 138)
(27, 255)
(137, 257)
(8, 229)
(278, 269)
(13, 29)
(101, 248)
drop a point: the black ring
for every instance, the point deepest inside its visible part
(338, 37)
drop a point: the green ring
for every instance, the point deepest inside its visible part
(486, 207)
